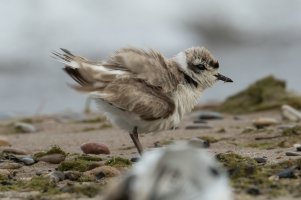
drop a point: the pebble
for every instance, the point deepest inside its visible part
(254, 191)
(290, 153)
(264, 122)
(52, 158)
(290, 113)
(27, 160)
(10, 165)
(134, 159)
(4, 141)
(260, 159)
(56, 176)
(287, 173)
(15, 151)
(25, 127)
(4, 172)
(94, 148)
(197, 142)
(108, 171)
(72, 175)
(199, 121)
(207, 115)
(193, 127)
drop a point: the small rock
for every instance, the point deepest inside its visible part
(287, 173)
(199, 121)
(193, 127)
(72, 175)
(254, 191)
(264, 122)
(221, 130)
(290, 113)
(25, 127)
(56, 176)
(197, 142)
(4, 141)
(4, 172)
(52, 158)
(94, 148)
(298, 148)
(27, 160)
(14, 151)
(108, 171)
(134, 159)
(10, 165)
(260, 160)
(289, 153)
(210, 115)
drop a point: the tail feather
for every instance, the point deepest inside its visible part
(76, 75)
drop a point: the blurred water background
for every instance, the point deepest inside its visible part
(250, 38)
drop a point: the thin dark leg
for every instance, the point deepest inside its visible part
(135, 138)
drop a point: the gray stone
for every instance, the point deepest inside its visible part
(25, 127)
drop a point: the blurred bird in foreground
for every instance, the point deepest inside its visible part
(143, 91)
(178, 172)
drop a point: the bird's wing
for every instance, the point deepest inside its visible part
(138, 97)
(150, 66)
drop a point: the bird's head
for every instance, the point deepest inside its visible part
(200, 65)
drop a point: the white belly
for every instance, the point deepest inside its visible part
(184, 99)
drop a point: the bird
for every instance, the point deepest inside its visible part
(177, 172)
(142, 91)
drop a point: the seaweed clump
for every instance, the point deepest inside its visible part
(52, 150)
(294, 131)
(79, 163)
(246, 173)
(118, 162)
(264, 94)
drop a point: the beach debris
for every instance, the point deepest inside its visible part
(197, 142)
(291, 153)
(10, 165)
(290, 113)
(56, 176)
(103, 171)
(15, 151)
(23, 127)
(287, 173)
(200, 126)
(262, 160)
(266, 93)
(94, 148)
(4, 141)
(209, 115)
(264, 122)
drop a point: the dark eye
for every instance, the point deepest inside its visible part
(201, 67)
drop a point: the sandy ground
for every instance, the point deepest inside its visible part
(69, 134)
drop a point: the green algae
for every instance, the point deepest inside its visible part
(294, 131)
(246, 173)
(266, 93)
(79, 163)
(118, 162)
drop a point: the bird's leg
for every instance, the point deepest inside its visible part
(135, 138)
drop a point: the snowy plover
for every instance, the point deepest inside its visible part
(143, 91)
(179, 172)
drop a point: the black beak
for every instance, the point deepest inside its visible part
(223, 78)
